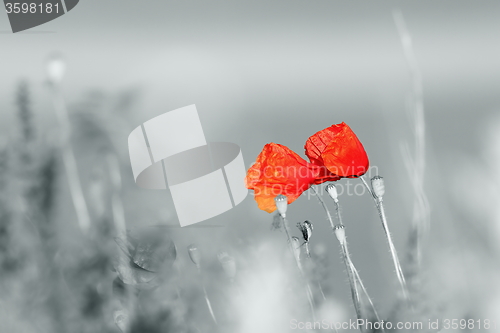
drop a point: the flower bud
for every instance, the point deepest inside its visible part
(282, 204)
(378, 186)
(56, 67)
(306, 229)
(340, 233)
(296, 247)
(228, 264)
(332, 191)
(194, 254)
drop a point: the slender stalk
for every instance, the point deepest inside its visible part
(337, 207)
(116, 202)
(368, 188)
(308, 251)
(321, 290)
(392, 248)
(324, 207)
(299, 266)
(397, 266)
(356, 273)
(69, 161)
(354, 289)
(352, 272)
(209, 305)
(415, 165)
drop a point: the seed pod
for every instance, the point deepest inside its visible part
(378, 186)
(332, 191)
(340, 233)
(296, 247)
(228, 264)
(282, 204)
(194, 254)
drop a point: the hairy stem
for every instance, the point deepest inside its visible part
(324, 207)
(299, 266)
(397, 266)
(352, 272)
(392, 248)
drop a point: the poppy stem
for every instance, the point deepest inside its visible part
(368, 188)
(352, 272)
(308, 252)
(397, 265)
(354, 290)
(392, 248)
(207, 300)
(324, 207)
(69, 160)
(356, 279)
(356, 273)
(299, 266)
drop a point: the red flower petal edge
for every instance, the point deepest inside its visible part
(279, 170)
(339, 150)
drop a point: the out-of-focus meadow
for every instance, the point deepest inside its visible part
(258, 73)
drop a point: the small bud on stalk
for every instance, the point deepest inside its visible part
(194, 254)
(306, 229)
(340, 233)
(281, 204)
(332, 191)
(378, 187)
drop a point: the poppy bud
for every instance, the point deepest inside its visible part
(282, 204)
(296, 247)
(194, 254)
(378, 186)
(340, 233)
(56, 67)
(228, 264)
(332, 191)
(306, 229)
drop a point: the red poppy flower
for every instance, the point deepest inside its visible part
(339, 150)
(279, 170)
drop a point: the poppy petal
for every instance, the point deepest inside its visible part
(339, 150)
(279, 170)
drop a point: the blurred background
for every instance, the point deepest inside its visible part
(258, 72)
